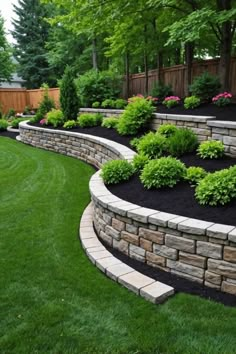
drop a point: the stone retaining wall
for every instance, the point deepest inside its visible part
(205, 127)
(201, 251)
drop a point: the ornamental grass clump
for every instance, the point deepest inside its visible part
(171, 101)
(116, 171)
(194, 175)
(87, 120)
(183, 141)
(222, 99)
(164, 172)
(212, 149)
(152, 145)
(136, 116)
(218, 188)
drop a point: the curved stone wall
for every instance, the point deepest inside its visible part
(200, 251)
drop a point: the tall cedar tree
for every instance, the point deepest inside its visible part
(69, 100)
(6, 65)
(31, 32)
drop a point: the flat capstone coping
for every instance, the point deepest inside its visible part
(13, 130)
(180, 117)
(140, 284)
(222, 124)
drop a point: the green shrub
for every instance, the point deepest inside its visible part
(3, 124)
(45, 106)
(70, 124)
(69, 100)
(96, 104)
(139, 161)
(218, 188)
(152, 145)
(171, 101)
(55, 118)
(110, 122)
(183, 141)
(120, 103)
(195, 174)
(212, 149)
(135, 117)
(116, 171)
(87, 120)
(167, 130)
(108, 103)
(134, 143)
(164, 172)
(191, 102)
(205, 86)
(26, 111)
(161, 91)
(15, 122)
(11, 113)
(98, 86)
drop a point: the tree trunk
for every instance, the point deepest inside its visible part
(127, 75)
(145, 60)
(159, 66)
(189, 48)
(94, 49)
(177, 56)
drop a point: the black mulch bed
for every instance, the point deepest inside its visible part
(221, 113)
(7, 134)
(180, 199)
(178, 283)
(102, 132)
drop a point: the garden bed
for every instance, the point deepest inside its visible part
(227, 113)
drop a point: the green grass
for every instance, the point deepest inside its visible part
(53, 300)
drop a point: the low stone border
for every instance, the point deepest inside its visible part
(200, 251)
(13, 130)
(118, 271)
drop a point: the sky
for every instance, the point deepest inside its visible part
(6, 9)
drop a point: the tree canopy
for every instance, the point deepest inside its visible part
(6, 64)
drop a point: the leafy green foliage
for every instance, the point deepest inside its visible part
(171, 101)
(161, 91)
(11, 113)
(164, 172)
(3, 124)
(98, 86)
(194, 175)
(55, 117)
(167, 130)
(217, 188)
(116, 171)
(134, 143)
(110, 122)
(15, 122)
(120, 103)
(87, 120)
(211, 149)
(152, 145)
(205, 86)
(135, 117)
(108, 103)
(69, 100)
(46, 105)
(96, 104)
(69, 124)
(183, 141)
(191, 102)
(139, 161)
(6, 67)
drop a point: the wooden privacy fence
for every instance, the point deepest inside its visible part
(20, 98)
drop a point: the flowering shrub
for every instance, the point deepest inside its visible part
(43, 121)
(139, 95)
(222, 99)
(171, 101)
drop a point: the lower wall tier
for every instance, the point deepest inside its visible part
(200, 251)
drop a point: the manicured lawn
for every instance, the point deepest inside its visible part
(53, 300)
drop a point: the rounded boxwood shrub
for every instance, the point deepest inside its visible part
(164, 172)
(55, 118)
(217, 188)
(139, 161)
(191, 102)
(3, 124)
(212, 149)
(167, 130)
(152, 145)
(87, 120)
(183, 141)
(110, 122)
(116, 171)
(136, 116)
(70, 124)
(194, 175)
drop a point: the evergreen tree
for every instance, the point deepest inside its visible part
(31, 33)
(68, 96)
(6, 65)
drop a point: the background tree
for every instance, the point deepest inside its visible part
(68, 96)
(6, 65)
(31, 32)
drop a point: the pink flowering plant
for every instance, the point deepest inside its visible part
(43, 121)
(171, 101)
(140, 96)
(222, 99)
